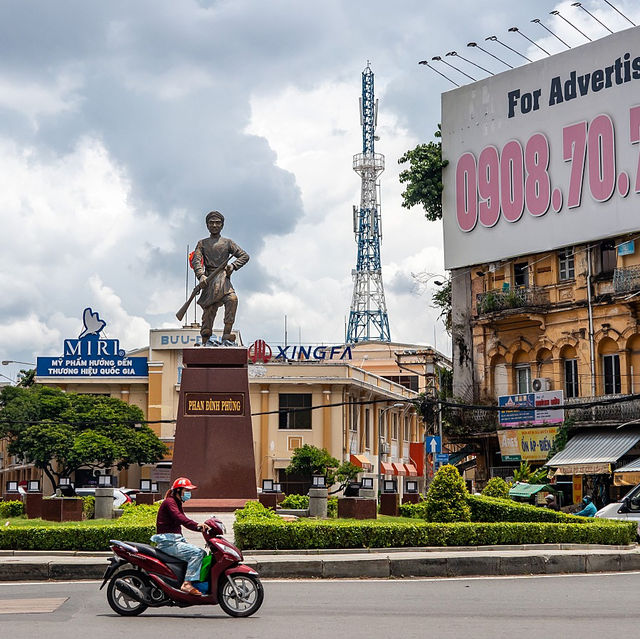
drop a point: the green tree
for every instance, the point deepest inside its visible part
(528, 475)
(447, 497)
(62, 432)
(310, 460)
(423, 178)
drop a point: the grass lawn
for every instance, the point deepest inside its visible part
(23, 522)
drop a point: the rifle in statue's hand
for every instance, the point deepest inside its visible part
(183, 309)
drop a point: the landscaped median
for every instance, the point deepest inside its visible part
(136, 524)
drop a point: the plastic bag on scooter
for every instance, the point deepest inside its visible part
(205, 568)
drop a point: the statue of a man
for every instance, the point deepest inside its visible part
(211, 253)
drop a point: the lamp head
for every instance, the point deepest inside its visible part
(512, 29)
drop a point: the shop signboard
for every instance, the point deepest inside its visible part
(531, 408)
(543, 156)
(91, 355)
(526, 444)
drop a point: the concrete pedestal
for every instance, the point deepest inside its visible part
(33, 505)
(147, 499)
(357, 508)
(214, 438)
(62, 509)
(410, 498)
(104, 503)
(389, 504)
(318, 498)
(268, 500)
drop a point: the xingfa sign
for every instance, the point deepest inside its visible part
(91, 355)
(544, 156)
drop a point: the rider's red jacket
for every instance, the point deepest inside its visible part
(171, 517)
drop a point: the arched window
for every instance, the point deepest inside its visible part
(610, 362)
(522, 372)
(634, 363)
(544, 365)
(569, 358)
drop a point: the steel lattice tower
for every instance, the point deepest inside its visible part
(368, 318)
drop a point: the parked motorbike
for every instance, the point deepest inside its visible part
(154, 578)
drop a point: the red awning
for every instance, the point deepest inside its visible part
(386, 468)
(362, 461)
(412, 471)
(398, 469)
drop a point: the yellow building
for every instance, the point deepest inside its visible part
(358, 398)
(563, 320)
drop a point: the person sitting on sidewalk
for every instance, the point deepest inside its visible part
(589, 509)
(169, 536)
(550, 502)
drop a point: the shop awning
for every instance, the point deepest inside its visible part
(520, 489)
(412, 471)
(583, 469)
(595, 447)
(386, 468)
(362, 461)
(398, 469)
(628, 475)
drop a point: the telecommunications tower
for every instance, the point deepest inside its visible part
(368, 318)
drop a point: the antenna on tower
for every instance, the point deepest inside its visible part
(368, 319)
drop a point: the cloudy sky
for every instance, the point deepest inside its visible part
(122, 123)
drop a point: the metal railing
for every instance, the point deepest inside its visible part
(501, 300)
(620, 412)
(626, 280)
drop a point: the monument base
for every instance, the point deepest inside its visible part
(214, 438)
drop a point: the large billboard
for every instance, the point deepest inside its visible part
(545, 155)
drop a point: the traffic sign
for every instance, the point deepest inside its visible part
(442, 458)
(433, 444)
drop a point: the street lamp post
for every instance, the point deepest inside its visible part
(5, 362)
(382, 413)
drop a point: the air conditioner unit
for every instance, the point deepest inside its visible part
(541, 384)
(385, 448)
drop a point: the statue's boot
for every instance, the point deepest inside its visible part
(228, 335)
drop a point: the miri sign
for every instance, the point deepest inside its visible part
(91, 355)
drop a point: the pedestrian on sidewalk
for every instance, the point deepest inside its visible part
(589, 509)
(169, 536)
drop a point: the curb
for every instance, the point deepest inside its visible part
(395, 563)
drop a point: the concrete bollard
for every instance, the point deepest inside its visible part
(318, 498)
(104, 503)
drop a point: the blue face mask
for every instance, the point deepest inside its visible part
(186, 496)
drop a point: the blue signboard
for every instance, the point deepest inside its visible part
(523, 401)
(432, 444)
(627, 248)
(442, 458)
(92, 356)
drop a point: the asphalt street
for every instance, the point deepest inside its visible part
(585, 606)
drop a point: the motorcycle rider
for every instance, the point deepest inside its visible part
(589, 509)
(169, 538)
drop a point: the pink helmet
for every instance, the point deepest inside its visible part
(182, 482)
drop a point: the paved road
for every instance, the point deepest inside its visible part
(586, 606)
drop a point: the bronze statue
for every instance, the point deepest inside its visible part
(213, 270)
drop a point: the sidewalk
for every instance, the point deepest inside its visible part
(381, 563)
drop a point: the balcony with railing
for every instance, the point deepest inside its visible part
(618, 412)
(626, 280)
(513, 298)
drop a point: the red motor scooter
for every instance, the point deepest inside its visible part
(154, 578)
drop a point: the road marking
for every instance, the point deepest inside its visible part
(30, 606)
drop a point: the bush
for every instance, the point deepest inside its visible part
(254, 510)
(11, 508)
(490, 509)
(496, 487)
(295, 502)
(447, 497)
(332, 507)
(88, 506)
(309, 533)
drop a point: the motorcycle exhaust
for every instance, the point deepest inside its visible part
(131, 591)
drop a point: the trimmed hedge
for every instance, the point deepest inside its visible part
(14, 508)
(134, 525)
(491, 509)
(307, 534)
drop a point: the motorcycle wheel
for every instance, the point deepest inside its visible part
(122, 603)
(250, 591)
